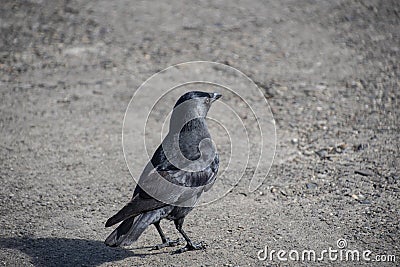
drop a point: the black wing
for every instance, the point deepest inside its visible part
(159, 166)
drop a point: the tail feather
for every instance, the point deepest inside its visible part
(131, 229)
(135, 207)
(117, 236)
(124, 214)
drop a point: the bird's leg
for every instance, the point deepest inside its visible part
(166, 242)
(190, 245)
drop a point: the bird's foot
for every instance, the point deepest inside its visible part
(191, 246)
(168, 243)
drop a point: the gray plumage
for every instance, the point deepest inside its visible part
(183, 167)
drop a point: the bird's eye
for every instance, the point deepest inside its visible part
(208, 100)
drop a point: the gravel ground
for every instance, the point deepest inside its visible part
(329, 69)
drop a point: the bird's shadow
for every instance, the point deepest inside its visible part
(68, 252)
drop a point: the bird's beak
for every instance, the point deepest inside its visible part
(215, 96)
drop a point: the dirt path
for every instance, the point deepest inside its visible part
(330, 71)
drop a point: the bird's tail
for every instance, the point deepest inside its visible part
(131, 229)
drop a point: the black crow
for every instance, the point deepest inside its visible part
(183, 167)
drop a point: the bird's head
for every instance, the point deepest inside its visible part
(190, 106)
(196, 103)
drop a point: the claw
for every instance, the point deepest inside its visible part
(188, 247)
(167, 243)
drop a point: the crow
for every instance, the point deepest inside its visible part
(183, 167)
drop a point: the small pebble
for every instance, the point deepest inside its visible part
(359, 197)
(322, 153)
(360, 147)
(311, 185)
(308, 152)
(364, 172)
